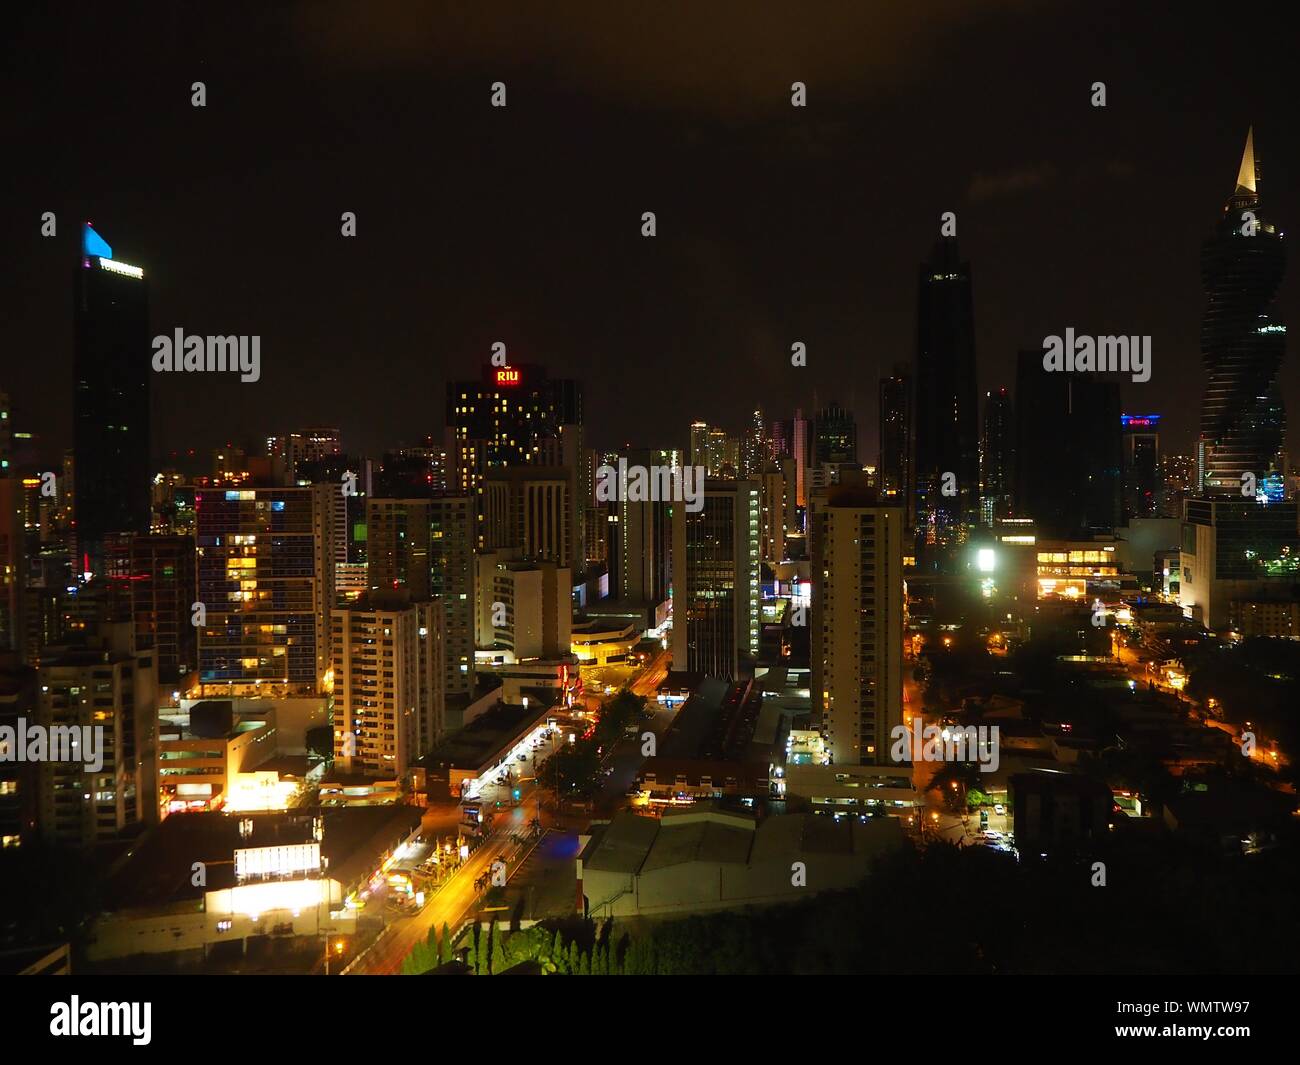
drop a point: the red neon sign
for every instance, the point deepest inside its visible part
(507, 376)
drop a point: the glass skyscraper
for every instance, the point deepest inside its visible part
(1242, 343)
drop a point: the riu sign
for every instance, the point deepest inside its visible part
(508, 376)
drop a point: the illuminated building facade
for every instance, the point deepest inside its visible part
(716, 593)
(1142, 466)
(266, 582)
(1242, 342)
(1236, 549)
(501, 419)
(425, 547)
(856, 623)
(997, 457)
(116, 691)
(112, 369)
(388, 676)
(151, 581)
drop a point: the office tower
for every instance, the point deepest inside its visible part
(799, 432)
(895, 462)
(388, 673)
(266, 580)
(1236, 552)
(116, 691)
(753, 447)
(151, 585)
(1141, 436)
(292, 451)
(946, 417)
(856, 623)
(567, 451)
(1177, 481)
(716, 595)
(425, 547)
(700, 444)
(721, 454)
(779, 445)
(836, 436)
(640, 567)
(531, 509)
(525, 608)
(997, 457)
(111, 404)
(501, 419)
(1069, 450)
(1242, 341)
(772, 515)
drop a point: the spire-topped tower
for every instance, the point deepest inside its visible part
(1242, 343)
(1248, 172)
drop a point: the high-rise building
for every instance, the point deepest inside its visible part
(836, 439)
(857, 623)
(532, 509)
(895, 464)
(1177, 482)
(1242, 341)
(425, 547)
(772, 498)
(716, 594)
(1236, 550)
(388, 673)
(502, 419)
(115, 691)
(151, 583)
(525, 608)
(266, 582)
(753, 447)
(997, 457)
(640, 565)
(1142, 466)
(1069, 455)
(945, 411)
(293, 451)
(111, 403)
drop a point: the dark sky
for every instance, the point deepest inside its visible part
(476, 224)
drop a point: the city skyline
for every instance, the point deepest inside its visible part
(770, 255)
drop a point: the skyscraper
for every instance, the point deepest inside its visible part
(997, 457)
(111, 402)
(716, 595)
(857, 623)
(946, 411)
(1069, 455)
(425, 547)
(836, 436)
(266, 580)
(895, 462)
(1142, 465)
(1242, 342)
(502, 419)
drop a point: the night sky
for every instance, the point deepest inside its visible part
(475, 224)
